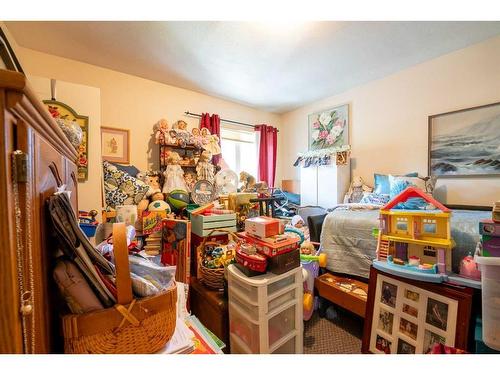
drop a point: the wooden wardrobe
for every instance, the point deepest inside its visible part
(47, 160)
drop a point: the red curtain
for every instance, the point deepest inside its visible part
(267, 153)
(205, 121)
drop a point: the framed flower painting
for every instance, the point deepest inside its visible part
(329, 129)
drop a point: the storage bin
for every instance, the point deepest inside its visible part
(281, 325)
(264, 322)
(244, 329)
(490, 280)
(286, 348)
(202, 225)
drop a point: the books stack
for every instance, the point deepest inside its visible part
(153, 244)
(266, 235)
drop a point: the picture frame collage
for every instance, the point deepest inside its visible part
(410, 320)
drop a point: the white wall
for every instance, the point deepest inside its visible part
(134, 103)
(389, 119)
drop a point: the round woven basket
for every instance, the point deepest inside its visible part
(213, 278)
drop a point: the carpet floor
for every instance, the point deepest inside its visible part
(341, 334)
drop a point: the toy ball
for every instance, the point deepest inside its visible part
(178, 199)
(159, 206)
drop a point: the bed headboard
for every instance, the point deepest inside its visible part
(292, 186)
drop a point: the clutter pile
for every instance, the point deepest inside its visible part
(267, 248)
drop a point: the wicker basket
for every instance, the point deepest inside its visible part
(213, 278)
(132, 326)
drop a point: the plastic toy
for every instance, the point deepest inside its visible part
(415, 241)
(311, 261)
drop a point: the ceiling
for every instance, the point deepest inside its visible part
(275, 67)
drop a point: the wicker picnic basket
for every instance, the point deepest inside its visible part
(132, 326)
(213, 278)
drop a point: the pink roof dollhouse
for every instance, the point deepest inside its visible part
(416, 240)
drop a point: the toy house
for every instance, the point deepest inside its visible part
(418, 240)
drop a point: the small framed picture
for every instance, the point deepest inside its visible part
(430, 339)
(411, 295)
(115, 145)
(408, 328)
(383, 345)
(385, 321)
(437, 314)
(410, 310)
(405, 348)
(389, 293)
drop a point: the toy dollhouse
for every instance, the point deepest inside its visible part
(415, 240)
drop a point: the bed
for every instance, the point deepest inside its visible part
(346, 237)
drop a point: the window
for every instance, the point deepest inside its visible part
(240, 149)
(429, 225)
(402, 224)
(429, 251)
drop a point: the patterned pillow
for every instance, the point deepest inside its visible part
(120, 188)
(400, 183)
(374, 198)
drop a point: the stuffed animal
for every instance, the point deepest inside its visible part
(357, 190)
(161, 131)
(205, 169)
(250, 185)
(174, 175)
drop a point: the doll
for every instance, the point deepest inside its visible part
(153, 180)
(298, 223)
(161, 131)
(205, 169)
(174, 175)
(210, 142)
(197, 138)
(171, 137)
(190, 180)
(183, 135)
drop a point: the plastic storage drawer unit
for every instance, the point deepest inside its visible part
(265, 312)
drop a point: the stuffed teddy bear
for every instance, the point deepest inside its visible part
(357, 190)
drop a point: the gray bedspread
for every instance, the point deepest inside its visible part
(347, 238)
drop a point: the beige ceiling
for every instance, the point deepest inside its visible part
(274, 67)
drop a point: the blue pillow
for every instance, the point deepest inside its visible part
(382, 185)
(129, 169)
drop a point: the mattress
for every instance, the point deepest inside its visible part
(347, 239)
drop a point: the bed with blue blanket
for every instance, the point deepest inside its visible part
(347, 239)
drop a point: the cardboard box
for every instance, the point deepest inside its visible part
(270, 249)
(263, 226)
(284, 262)
(491, 246)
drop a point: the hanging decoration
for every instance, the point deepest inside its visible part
(313, 158)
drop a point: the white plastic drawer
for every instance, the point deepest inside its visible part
(287, 348)
(280, 284)
(251, 310)
(281, 325)
(245, 330)
(281, 300)
(249, 291)
(237, 347)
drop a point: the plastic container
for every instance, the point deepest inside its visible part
(490, 274)
(265, 312)
(88, 229)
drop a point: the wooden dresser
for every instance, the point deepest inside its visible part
(49, 159)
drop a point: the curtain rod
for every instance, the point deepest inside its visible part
(187, 113)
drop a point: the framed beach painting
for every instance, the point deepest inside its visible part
(329, 129)
(465, 142)
(115, 145)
